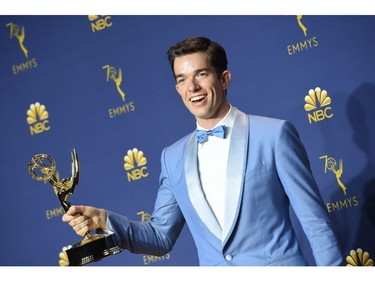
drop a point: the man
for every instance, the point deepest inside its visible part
(234, 191)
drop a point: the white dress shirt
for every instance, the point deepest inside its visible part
(212, 166)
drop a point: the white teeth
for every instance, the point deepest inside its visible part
(197, 98)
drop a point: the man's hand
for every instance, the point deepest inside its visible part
(84, 219)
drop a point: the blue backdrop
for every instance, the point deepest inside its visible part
(103, 85)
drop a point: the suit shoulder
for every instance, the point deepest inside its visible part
(258, 120)
(269, 124)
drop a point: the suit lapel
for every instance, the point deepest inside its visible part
(194, 188)
(235, 172)
(234, 180)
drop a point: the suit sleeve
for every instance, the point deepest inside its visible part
(158, 236)
(295, 174)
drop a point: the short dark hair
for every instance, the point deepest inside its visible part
(215, 52)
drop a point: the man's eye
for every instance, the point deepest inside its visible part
(180, 81)
(202, 74)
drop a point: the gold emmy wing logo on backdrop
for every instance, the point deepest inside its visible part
(115, 76)
(148, 259)
(301, 25)
(359, 258)
(135, 162)
(98, 23)
(37, 118)
(18, 33)
(317, 102)
(306, 44)
(330, 164)
(145, 217)
(112, 74)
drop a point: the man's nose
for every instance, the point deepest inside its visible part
(193, 85)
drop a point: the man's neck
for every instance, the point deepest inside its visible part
(210, 123)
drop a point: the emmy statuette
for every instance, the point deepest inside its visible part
(92, 247)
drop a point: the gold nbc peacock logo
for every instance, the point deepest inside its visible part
(315, 96)
(37, 112)
(316, 102)
(64, 260)
(359, 258)
(99, 22)
(135, 164)
(37, 116)
(134, 158)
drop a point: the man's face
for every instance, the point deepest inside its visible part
(201, 90)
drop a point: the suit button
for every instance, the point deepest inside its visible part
(228, 257)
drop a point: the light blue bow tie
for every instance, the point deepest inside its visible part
(202, 135)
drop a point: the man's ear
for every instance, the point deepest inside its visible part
(225, 79)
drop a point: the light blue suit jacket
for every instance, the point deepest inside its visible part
(268, 171)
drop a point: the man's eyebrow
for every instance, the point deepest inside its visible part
(195, 72)
(178, 76)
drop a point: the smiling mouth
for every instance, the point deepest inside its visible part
(198, 98)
